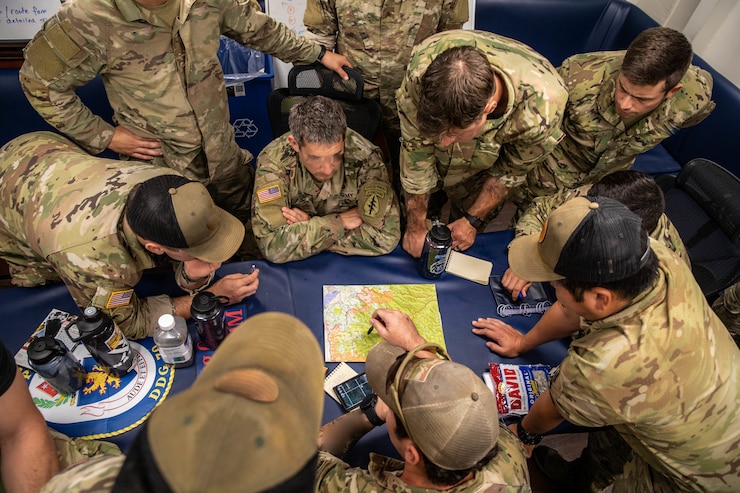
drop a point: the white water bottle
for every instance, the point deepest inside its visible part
(173, 341)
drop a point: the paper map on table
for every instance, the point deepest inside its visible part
(347, 311)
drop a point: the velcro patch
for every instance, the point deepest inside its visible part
(119, 298)
(373, 201)
(269, 193)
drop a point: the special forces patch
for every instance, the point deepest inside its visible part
(373, 201)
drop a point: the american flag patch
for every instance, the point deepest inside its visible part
(119, 298)
(269, 193)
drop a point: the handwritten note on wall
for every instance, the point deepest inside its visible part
(21, 19)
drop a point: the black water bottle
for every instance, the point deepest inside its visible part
(53, 361)
(105, 341)
(437, 243)
(207, 310)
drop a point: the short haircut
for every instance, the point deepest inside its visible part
(445, 477)
(317, 120)
(151, 215)
(657, 54)
(626, 288)
(454, 90)
(637, 191)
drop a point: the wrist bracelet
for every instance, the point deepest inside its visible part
(526, 437)
(321, 53)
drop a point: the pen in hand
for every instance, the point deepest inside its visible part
(372, 326)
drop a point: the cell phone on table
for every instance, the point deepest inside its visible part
(352, 391)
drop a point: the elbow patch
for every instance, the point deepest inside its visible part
(52, 50)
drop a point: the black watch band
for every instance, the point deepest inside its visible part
(526, 437)
(321, 53)
(367, 407)
(474, 221)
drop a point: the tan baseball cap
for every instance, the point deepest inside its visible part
(179, 213)
(251, 419)
(447, 410)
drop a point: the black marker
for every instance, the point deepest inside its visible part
(372, 326)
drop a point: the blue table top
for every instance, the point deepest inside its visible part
(296, 288)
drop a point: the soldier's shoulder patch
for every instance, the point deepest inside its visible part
(373, 201)
(269, 193)
(119, 298)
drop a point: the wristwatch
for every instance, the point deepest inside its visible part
(321, 53)
(526, 437)
(474, 221)
(367, 407)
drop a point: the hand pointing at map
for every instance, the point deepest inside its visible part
(397, 328)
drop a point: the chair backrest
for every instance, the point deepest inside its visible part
(703, 202)
(363, 115)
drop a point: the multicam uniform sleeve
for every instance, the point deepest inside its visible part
(320, 19)
(530, 134)
(58, 60)
(418, 162)
(108, 284)
(279, 241)
(455, 15)
(380, 231)
(246, 23)
(533, 219)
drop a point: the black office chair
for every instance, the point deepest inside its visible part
(703, 202)
(363, 115)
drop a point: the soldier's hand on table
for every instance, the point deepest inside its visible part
(463, 234)
(397, 328)
(514, 284)
(351, 219)
(129, 144)
(236, 286)
(335, 62)
(504, 339)
(413, 242)
(294, 215)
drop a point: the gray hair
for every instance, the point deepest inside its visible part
(317, 120)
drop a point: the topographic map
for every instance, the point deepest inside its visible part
(347, 311)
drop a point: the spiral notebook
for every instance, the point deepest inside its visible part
(341, 373)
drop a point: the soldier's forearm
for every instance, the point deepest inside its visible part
(341, 434)
(491, 195)
(416, 210)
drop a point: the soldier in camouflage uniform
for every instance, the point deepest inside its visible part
(159, 66)
(67, 216)
(248, 423)
(651, 359)
(477, 112)
(621, 104)
(322, 187)
(377, 37)
(636, 190)
(441, 418)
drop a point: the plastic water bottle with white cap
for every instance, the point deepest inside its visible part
(173, 341)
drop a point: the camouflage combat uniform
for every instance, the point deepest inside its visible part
(664, 372)
(508, 146)
(596, 140)
(281, 181)
(377, 37)
(97, 475)
(507, 472)
(61, 213)
(163, 81)
(534, 218)
(727, 308)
